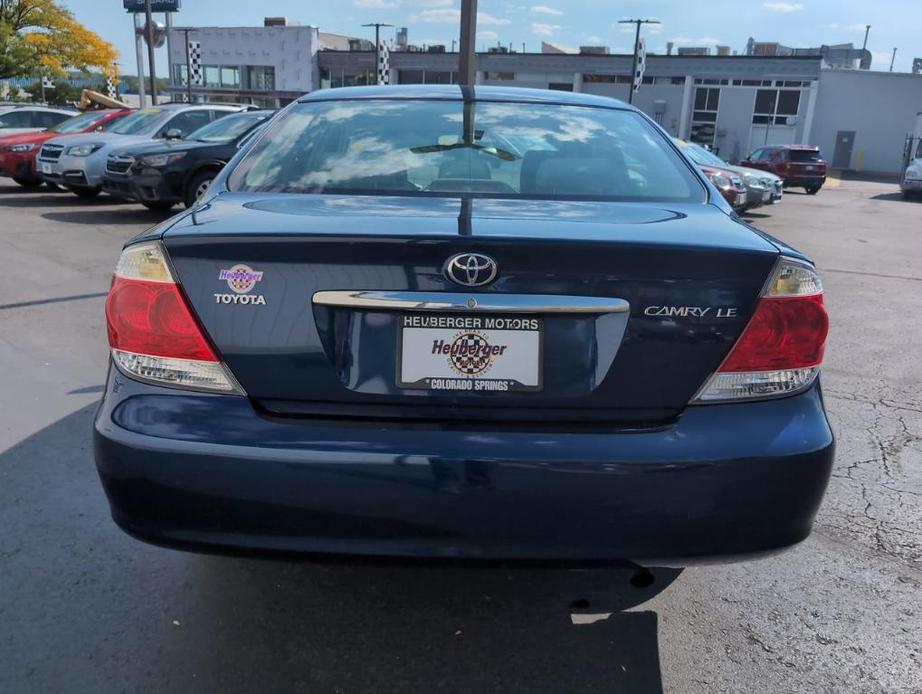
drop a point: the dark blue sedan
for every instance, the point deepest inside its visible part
(434, 322)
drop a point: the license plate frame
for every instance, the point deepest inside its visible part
(515, 362)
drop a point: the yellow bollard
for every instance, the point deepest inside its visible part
(859, 161)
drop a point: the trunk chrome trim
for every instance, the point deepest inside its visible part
(457, 301)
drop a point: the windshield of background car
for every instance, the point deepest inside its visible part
(802, 155)
(226, 129)
(137, 123)
(700, 155)
(448, 148)
(78, 123)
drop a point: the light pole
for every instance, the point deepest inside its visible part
(150, 53)
(637, 22)
(892, 60)
(377, 26)
(867, 30)
(466, 68)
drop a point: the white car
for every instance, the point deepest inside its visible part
(26, 119)
(911, 183)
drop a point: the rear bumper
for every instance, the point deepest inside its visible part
(804, 181)
(208, 472)
(911, 185)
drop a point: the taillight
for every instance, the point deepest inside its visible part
(781, 348)
(153, 333)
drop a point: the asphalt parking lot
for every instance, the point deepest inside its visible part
(84, 608)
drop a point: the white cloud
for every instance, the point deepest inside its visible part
(594, 40)
(374, 4)
(544, 29)
(544, 9)
(487, 35)
(783, 6)
(702, 41)
(453, 16)
(430, 3)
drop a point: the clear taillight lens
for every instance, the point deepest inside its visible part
(781, 348)
(153, 333)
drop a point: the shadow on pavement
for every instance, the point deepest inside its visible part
(122, 215)
(86, 608)
(895, 197)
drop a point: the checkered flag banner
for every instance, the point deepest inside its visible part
(47, 83)
(195, 63)
(641, 63)
(384, 63)
(110, 88)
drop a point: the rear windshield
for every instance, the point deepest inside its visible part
(137, 123)
(700, 155)
(449, 148)
(804, 155)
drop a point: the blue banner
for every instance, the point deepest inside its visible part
(155, 5)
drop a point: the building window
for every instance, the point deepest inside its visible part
(561, 86)
(212, 76)
(775, 106)
(500, 76)
(230, 77)
(608, 79)
(260, 78)
(179, 74)
(704, 116)
(411, 77)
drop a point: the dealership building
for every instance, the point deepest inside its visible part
(732, 103)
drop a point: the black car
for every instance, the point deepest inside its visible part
(161, 174)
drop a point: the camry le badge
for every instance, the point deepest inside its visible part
(470, 269)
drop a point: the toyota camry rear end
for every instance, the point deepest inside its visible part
(482, 324)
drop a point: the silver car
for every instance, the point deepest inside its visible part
(16, 120)
(762, 187)
(78, 162)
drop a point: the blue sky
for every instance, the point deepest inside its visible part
(895, 23)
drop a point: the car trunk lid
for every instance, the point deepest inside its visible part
(684, 280)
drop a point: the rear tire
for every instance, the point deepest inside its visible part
(28, 182)
(157, 205)
(86, 193)
(198, 186)
(813, 190)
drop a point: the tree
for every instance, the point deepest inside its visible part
(43, 37)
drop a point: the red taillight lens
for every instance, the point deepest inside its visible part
(781, 348)
(783, 333)
(152, 318)
(153, 333)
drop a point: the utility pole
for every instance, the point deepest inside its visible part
(867, 30)
(892, 60)
(637, 23)
(467, 68)
(168, 21)
(150, 53)
(377, 26)
(140, 56)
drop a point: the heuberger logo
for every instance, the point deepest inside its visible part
(241, 279)
(469, 353)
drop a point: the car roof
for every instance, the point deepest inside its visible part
(455, 92)
(810, 148)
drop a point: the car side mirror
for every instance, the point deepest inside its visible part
(173, 134)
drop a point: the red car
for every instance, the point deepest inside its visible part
(729, 184)
(18, 152)
(801, 166)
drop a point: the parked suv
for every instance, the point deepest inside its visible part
(163, 173)
(29, 119)
(801, 166)
(78, 162)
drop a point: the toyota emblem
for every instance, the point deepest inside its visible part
(471, 269)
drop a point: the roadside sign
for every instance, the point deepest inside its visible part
(155, 5)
